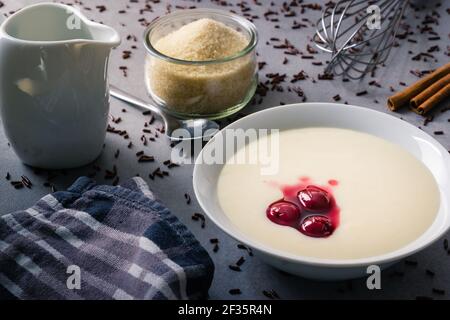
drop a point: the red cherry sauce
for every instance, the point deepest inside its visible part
(309, 208)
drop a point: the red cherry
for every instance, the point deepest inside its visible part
(284, 213)
(316, 226)
(314, 199)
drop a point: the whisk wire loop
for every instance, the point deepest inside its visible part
(357, 49)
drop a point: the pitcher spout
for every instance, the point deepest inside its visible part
(103, 34)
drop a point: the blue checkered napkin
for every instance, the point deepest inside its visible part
(124, 242)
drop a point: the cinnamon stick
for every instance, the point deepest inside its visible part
(439, 96)
(429, 92)
(402, 98)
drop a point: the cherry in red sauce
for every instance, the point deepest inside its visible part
(314, 199)
(316, 226)
(309, 208)
(284, 213)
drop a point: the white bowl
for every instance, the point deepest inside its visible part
(418, 143)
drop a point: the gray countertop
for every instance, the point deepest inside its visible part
(403, 281)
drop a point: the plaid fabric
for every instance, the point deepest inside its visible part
(126, 244)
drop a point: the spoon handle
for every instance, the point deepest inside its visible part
(125, 96)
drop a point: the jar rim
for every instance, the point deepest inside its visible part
(243, 23)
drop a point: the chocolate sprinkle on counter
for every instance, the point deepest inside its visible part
(275, 294)
(198, 216)
(240, 262)
(17, 184)
(411, 263)
(26, 182)
(111, 174)
(430, 273)
(145, 158)
(241, 246)
(101, 8)
(268, 294)
(361, 93)
(188, 198)
(261, 65)
(271, 294)
(235, 291)
(170, 164)
(234, 268)
(244, 247)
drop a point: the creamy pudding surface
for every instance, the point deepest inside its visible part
(385, 196)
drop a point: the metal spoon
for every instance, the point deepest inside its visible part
(193, 129)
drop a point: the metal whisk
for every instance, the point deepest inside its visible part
(357, 41)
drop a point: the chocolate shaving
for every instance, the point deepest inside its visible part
(17, 184)
(240, 262)
(26, 182)
(234, 268)
(145, 158)
(361, 93)
(235, 291)
(188, 198)
(411, 263)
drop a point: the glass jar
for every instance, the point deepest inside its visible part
(201, 89)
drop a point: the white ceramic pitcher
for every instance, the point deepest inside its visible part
(54, 96)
